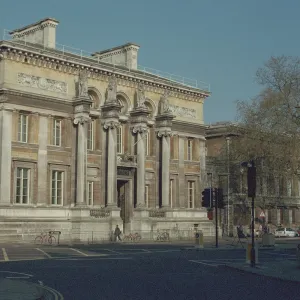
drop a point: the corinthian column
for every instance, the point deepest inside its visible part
(165, 168)
(111, 126)
(81, 156)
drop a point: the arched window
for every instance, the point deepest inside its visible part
(94, 97)
(150, 109)
(123, 103)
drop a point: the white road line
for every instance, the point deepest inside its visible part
(147, 251)
(80, 252)
(113, 251)
(45, 253)
(5, 254)
(27, 275)
(202, 263)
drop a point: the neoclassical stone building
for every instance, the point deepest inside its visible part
(88, 142)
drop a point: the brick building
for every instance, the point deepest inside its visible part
(278, 195)
(91, 141)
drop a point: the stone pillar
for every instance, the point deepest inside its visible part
(110, 116)
(139, 118)
(82, 109)
(164, 125)
(181, 177)
(42, 161)
(5, 156)
(290, 216)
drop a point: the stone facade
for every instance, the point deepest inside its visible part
(87, 145)
(277, 201)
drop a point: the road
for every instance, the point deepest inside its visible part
(121, 271)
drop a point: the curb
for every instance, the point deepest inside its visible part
(243, 271)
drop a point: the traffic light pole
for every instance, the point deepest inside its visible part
(252, 234)
(216, 215)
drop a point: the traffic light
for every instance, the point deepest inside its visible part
(220, 198)
(251, 178)
(206, 198)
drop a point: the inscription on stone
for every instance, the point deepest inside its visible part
(42, 83)
(99, 213)
(123, 171)
(157, 214)
(183, 111)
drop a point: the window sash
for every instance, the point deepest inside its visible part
(171, 193)
(22, 186)
(189, 149)
(56, 141)
(191, 194)
(90, 192)
(147, 195)
(90, 137)
(120, 140)
(22, 128)
(57, 188)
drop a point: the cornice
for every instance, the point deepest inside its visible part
(57, 60)
(187, 127)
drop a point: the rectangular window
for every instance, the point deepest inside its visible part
(23, 128)
(56, 135)
(90, 192)
(147, 195)
(171, 193)
(189, 149)
(22, 186)
(120, 140)
(90, 136)
(191, 193)
(57, 188)
(147, 144)
(289, 187)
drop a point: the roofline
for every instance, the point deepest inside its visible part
(116, 48)
(105, 67)
(34, 24)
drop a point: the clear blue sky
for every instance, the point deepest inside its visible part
(221, 42)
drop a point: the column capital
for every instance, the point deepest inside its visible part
(110, 124)
(139, 128)
(164, 133)
(81, 119)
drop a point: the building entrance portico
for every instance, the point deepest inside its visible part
(125, 202)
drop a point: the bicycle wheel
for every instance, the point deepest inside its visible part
(51, 240)
(38, 240)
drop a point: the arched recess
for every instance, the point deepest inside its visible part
(124, 102)
(96, 97)
(151, 107)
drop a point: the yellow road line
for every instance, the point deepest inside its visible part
(45, 253)
(5, 254)
(82, 253)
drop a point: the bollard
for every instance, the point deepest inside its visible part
(199, 241)
(298, 254)
(248, 253)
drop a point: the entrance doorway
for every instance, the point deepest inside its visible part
(124, 202)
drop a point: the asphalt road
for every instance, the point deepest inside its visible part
(145, 272)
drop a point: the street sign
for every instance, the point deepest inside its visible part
(262, 214)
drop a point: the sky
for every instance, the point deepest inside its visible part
(220, 42)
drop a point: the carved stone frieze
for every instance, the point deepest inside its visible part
(183, 111)
(165, 133)
(100, 213)
(139, 128)
(157, 213)
(42, 83)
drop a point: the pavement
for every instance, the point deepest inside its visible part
(148, 271)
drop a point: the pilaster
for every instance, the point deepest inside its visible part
(5, 156)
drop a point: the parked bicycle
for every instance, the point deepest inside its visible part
(132, 237)
(45, 238)
(163, 236)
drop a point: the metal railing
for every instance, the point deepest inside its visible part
(82, 54)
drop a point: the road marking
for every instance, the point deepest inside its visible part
(95, 258)
(202, 263)
(146, 250)
(45, 253)
(28, 275)
(5, 254)
(113, 251)
(80, 252)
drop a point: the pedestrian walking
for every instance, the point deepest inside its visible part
(117, 233)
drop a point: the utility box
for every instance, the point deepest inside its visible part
(268, 240)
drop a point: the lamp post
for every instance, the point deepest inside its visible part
(228, 182)
(211, 184)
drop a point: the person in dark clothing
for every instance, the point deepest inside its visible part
(117, 233)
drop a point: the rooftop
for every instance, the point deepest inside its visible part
(95, 57)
